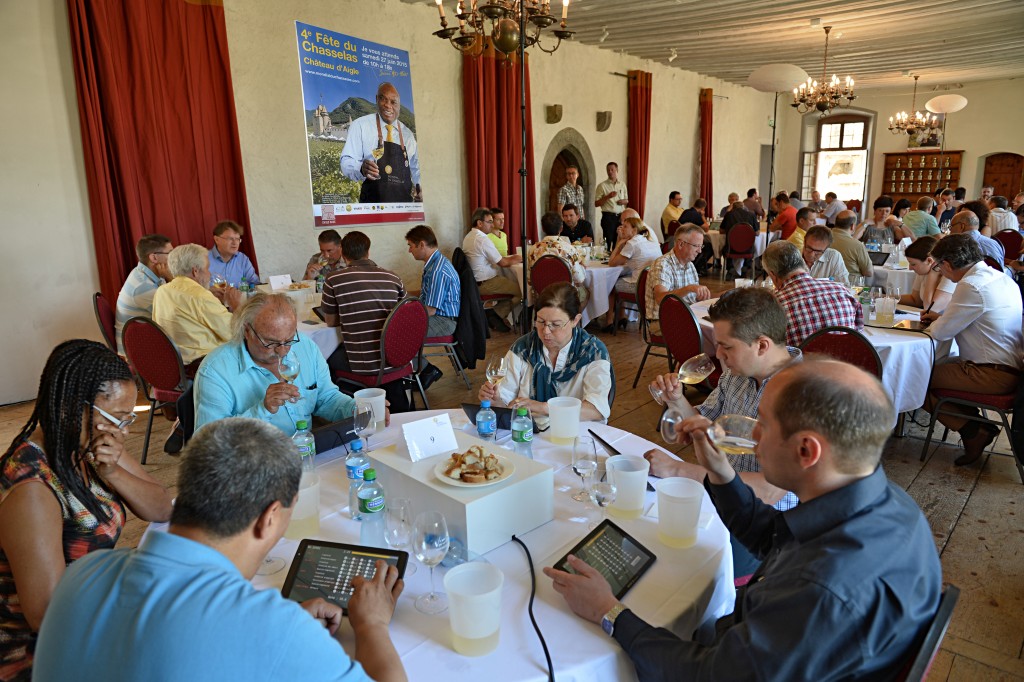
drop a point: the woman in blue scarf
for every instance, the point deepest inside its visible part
(558, 358)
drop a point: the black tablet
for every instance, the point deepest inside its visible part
(615, 554)
(325, 569)
(504, 415)
(335, 434)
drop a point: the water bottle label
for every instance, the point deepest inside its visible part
(486, 427)
(371, 505)
(355, 471)
(522, 436)
(307, 450)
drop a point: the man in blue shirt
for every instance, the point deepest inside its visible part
(181, 606)
(967, 222)
(243, 377)
(854, 561)
(439, 291)
(136, 296)
(226, 260)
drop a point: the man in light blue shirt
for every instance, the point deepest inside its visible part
(966, 222)
(181, 606)
(243, 377)
(226, 260)
(136, 297)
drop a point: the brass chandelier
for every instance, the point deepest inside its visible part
(903, 123)
(824, 96)
(500, 20)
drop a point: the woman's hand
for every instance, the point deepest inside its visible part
(536, 407)
(106, 449)
(488, 391)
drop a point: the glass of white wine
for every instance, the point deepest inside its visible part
(288, 367)
(693, 371)
(497, 368)
(733, 434)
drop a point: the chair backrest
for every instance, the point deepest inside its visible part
(549, 270)
(667, 246)
(403, 333)
(153, 355)
(105, 318)
(641, 293)
(741, 238)
(672, 227)
(1011, 241)
(993, 263)
(848, 345)
(680, 329)
(929, 647)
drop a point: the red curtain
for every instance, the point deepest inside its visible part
(706, 182)
(639, 145)
(490, 95)
(158, 125)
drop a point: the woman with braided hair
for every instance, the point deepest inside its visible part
(64, 483)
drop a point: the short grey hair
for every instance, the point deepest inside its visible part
(182, 260)
(231, 471)
(925, 203)
(685, 229)
(252, 308)
(782, 258)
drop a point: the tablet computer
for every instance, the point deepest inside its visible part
(878, 258)
(616, 555)
(335, 434)
(504, 415)
(325, 569)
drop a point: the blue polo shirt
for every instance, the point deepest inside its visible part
(234, 270)
(175, 609)
(440, 288)
(230, 384)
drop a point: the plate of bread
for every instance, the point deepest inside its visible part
(474, 468)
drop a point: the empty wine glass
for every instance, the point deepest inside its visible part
(603, 495)
(693, 371)
(673, 416)
(362, 419)
(430, 544)
(892, 292)
(584, 465)
(398, 528)
(497, 368)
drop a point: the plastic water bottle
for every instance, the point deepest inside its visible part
(320, 282)
(522, 433)
(486, 421)
(873, 245)
(356, 465)
(305, 520)
(371, 507)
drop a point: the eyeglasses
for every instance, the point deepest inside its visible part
(692, 245)
(274, 345)
(120, 423)
(551, 326)
(232, 240)
(935, 268)
(813, 250)
(160, 253)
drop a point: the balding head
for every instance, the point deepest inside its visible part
(964, 221)
(263, 311)
(628, 213)
(845, 220)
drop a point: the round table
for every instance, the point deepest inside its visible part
(600, 282)
(887, 276)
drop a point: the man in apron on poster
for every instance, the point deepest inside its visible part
(380, 152)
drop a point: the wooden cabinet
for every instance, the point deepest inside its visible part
(912, 174)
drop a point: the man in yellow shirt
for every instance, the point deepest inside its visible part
(497, 233)
(671, 212)
(805, 220)
(194, 317)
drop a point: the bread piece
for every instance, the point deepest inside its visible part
(473, 477)
(454, 471)
(493, 475)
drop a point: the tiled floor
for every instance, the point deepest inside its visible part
(972, 511)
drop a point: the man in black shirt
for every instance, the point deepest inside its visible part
(850, 578)
(574, 227)
(695, 214)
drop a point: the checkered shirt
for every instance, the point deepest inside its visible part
(813, 304)
(671, 273)
(572, 194)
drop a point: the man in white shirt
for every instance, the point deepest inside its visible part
(485, 260)
(612, 199)
(822, 260)
(984, 316)
(999, 218)
(833, 207)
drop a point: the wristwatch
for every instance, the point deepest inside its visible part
(608, 621)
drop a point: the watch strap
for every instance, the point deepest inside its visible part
(608, 621)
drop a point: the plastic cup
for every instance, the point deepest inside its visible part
(628, 473)
(565, 419)
(885, 311)
(742, 282)
(679, 501)
(474, 607)
(375, 398)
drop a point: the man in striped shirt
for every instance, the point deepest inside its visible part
(439, 291)
(810, 304)
(136, 297)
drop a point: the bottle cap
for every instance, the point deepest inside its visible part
(357, 445)
(301, 424)
(370, 475)
(485, 403)
(521, 411)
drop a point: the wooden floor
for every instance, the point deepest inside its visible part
(972, 511)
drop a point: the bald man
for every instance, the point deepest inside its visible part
(966, 222)
(380, 152)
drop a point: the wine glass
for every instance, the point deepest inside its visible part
(693, 371)
(584, 464)
(218, 282)
(288, 367)
(398, 528)
(430, 544)
(892, 292)
(270, 565)
(362, 418)
(733, 434)
(603, 495)
(876, 293)
(497, 368)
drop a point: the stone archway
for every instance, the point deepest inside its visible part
(567, 146)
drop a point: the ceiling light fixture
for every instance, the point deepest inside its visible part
(604, 34)
(505, 17)
(672, 55)
(823, 97)
(910, 124)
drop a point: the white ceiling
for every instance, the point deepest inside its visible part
(875, 41)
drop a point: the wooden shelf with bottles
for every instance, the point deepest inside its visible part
(912, 174)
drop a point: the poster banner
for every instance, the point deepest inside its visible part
(360, 129)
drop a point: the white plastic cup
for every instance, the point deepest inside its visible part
(679, 501)
(885, 311)
(474, 607)
(375, 398)
(565, 419)
(628, 473)
(742, 282)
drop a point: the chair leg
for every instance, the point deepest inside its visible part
(457, 364)
(149, 430)
(931, 429)
(641, 367)
(1013, 450)
(615, 314)
(423, 394)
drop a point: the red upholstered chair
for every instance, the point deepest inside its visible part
(447, 343)
(683, 335)
(847, 345)
(993, 263)
(1001, 404)
(667, 246)
(854, 205)
(924, 655)
(549, 270)
(672, 227)
(652, 340)
(157, 362)
(105, 318)
(740, 244)
(401, 340)
(1011, 241)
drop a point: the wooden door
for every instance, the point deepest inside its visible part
(557, 179)
(1004, 172)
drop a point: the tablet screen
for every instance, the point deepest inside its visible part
(325, 569)
(615, 554)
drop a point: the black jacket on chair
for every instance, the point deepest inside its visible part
(471, 325)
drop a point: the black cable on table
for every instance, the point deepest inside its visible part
(533, 592)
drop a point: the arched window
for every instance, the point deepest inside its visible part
(835, 159)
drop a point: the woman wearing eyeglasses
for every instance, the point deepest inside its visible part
(557, 358)
(931, 290)
(64, 484)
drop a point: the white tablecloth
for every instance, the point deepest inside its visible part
(600, 281)
(682, 588)
(906, 357)
(886, 276)
(717, 239)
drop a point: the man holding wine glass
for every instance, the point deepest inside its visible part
(268, 371)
